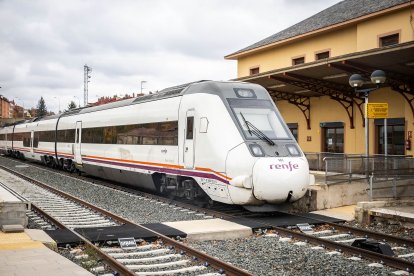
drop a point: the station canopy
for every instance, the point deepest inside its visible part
(330, 77)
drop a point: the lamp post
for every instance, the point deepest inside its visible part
(142, 82)
(378, 77)
(59, 102)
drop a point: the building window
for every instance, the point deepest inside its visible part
(299, 60)
(333, 137)
(389, 40)
(322, 55)
(395, 136)
(293, 127)
(254, 71)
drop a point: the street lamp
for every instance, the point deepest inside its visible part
(356, 81)
(59, 102)
(142, 82)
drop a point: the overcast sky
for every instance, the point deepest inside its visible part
(45, 44)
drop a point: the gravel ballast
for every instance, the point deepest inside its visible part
(132, 207)
(263, 255)
(259, 254)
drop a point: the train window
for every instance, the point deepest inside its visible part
(26, 139)
(203, 125)
(262, 115)
(168, 133)
(149, 134)
(190, 128)
(45, 136)
(65, 136)
(164, 133)
(35, 139)
(109, 135)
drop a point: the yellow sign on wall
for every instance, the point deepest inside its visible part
(377, 110)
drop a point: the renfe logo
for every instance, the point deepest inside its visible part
(288, 166)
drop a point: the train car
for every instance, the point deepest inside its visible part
(223, 141)
(6, 138)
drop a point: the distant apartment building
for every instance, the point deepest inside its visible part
(306, 69)
(4, 108)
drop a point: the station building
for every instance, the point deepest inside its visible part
(306, 69)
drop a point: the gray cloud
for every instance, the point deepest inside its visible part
(44, 44)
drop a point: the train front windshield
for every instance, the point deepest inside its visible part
(259, 114)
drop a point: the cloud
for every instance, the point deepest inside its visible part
(44, 44)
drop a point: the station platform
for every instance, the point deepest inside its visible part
(401, 211)
(322, 195)
(24, 254)
(346, 213)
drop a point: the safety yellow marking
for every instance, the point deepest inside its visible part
(15, 241)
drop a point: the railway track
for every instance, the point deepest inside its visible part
(337, 237)
(59, 210)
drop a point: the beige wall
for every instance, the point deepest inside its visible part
(339, 43)
(323, 109)
(358, 37)
(368, 31)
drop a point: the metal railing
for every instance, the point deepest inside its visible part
(390, 176)
(317, 162)
(390, 186)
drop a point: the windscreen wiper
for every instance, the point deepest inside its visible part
(252, 129)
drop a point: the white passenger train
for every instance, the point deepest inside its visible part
(225, 141)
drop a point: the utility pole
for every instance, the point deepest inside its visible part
(86, 76)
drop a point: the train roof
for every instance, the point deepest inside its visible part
(169, 92)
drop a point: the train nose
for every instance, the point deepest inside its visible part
(278, 180)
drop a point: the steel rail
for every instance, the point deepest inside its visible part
(391, 261)
(373, 234)
(214, 262)
(113, 263)
(365, 232)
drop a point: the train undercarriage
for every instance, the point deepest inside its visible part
(173, 186)
(181, 187)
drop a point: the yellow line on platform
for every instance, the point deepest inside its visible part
(15, 241)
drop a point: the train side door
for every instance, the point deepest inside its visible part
(189, 140)
(78, 142)
(31, 141)
(6, 136)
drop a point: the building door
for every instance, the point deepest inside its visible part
(333, 137)
(78, 143)
(293, 127)
(395, 136)
(189, 140)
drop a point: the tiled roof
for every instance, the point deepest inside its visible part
(341, 12)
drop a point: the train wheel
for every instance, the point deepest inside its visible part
(72, 168)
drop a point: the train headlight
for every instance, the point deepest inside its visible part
(256, 150)
(293, 150)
